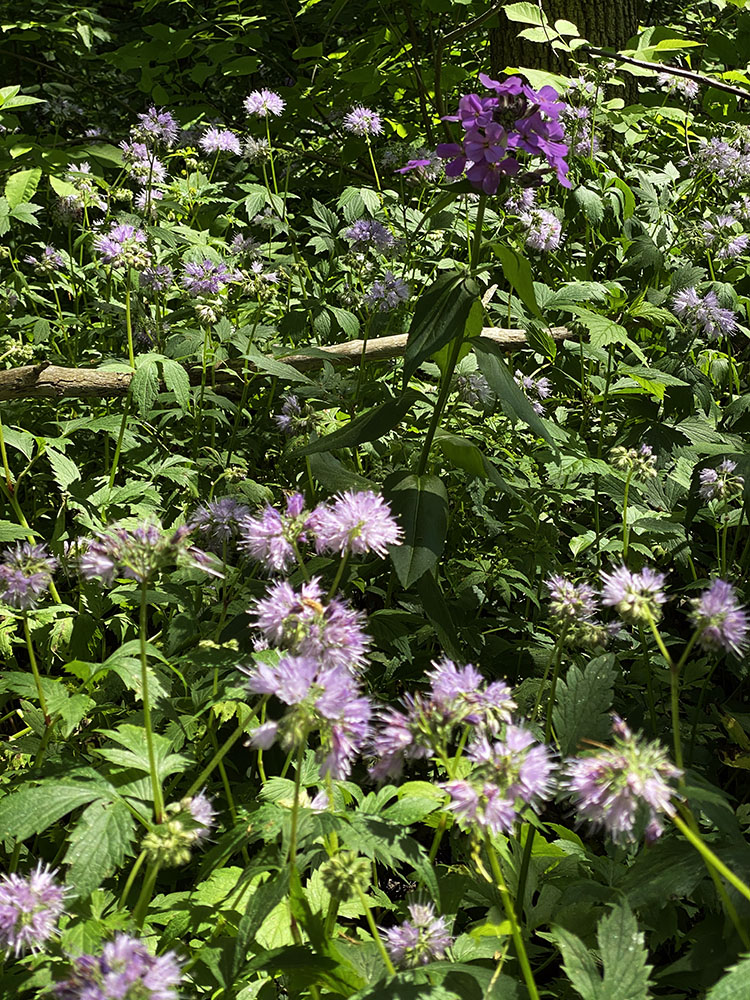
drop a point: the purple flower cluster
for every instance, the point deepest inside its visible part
(704, 315)
(624, 789)
(157, 126)
(206, 277)
(720, 618)
(536, 389)
(185, 824)
(427, 723)
(25, 574)
(142, 163)
(270, 537)
(263, 103)
(306, 626)
(355, 522)
(720, 483)
(720, 234)
(366, 234)
(507, 774)
(51, 260)
(159, 277)
(30, 907)
(125, 970)
(124, 246)
(640, 462)
(290, 419)
(219, 522)
(215, 140)
(517, 119)
(635, 596)
(419, 940)
(574, 608)
(387, 293)
(474, 389)
(139, 553)
(727, 161)
(363, 121)
(685, 87)
(322, 699)
(543, 230)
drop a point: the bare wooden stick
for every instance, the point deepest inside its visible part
(47, 381)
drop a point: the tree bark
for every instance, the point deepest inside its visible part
(605, 23)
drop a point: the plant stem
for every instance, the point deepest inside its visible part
(295, 809)
(129, 323)
(141, 907)
(35, 668)
(375, 932)
(625, 516)
(523, 958)
(131, 879)
(710, 858)
(523, 874)
(553, 687)
(339, 574)
(155, 783)
(218, 756)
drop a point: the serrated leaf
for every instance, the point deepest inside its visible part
(64, 469)
(590, 204)
(582, 703)
(29, 811)
(98, 845)
(177, 381)
(578, 964)
(626, 972)
(734, 984)
(524, 13)
(10, 532)
(421, 506)
(144, 386)
(21, 186)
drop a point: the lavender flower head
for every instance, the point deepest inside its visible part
(574, 607)
(624, 789)
(543, 230)
(704, 315)
(206, 277)
(355, 522)
(363, 121)
(30, 907)
(125, 970)
(291, 419)
(635, 596)
(507, 775)
(367, 234)
(124, 246)
(322, 699)
(722, 620)
(140, 553)
(721, 235)
(387, 293)
(302, 623)
(270, 538)
(50, 261)
(428, 723)
(689, 89)
(142, 164)
(218, 522)
(720, 483)
(215, 140)
(419, 940)
(535, 389)
(159, 277)
(640, 462)
(263, 103)
(184, 825)
(25, 574)
(157, 126)
(474, 389)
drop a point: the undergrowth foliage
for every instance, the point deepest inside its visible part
(338, 666)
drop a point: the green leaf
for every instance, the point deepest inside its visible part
(626, 974)
(64, 469)
(464, 454)
(524, 13)
(441, 314)
(264, 899)
(135, 754)
(590, 203)
(334, 475)
(61, 187)
(98, 845)
(21, 186)
(368, 426)
(276, 367)
(517, 270)
(421, 505)
(735, 984)
(513, 401)
(30, 811)
(582, 703)
(10, 532)
(578, 964)
(145, 386)
(177, 381)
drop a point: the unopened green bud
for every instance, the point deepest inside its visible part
(344, 873)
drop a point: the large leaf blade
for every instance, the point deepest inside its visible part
(441, 315)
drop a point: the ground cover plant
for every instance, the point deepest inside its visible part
(374, 528)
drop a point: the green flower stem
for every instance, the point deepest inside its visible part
(300, 560)
(126, 408)
(553, 686)
(295, 810)
(440, 405)
(649, 680)
(155, 783)
(131, 879)
(339, 574)
(218, 756)
(523, 958)
(35, 669)
(375, 932)
(270, 156)
(724, 530)
(708, 855)
(625, 530)
(478, 227)
(129, 323)
(675, 669)
(523, 874)
(147, 890)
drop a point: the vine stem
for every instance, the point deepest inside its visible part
(155, 783)
(375, 932)
(523, 958)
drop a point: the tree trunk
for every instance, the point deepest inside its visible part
(607, 23)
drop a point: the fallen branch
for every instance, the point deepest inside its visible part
(47, 381)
